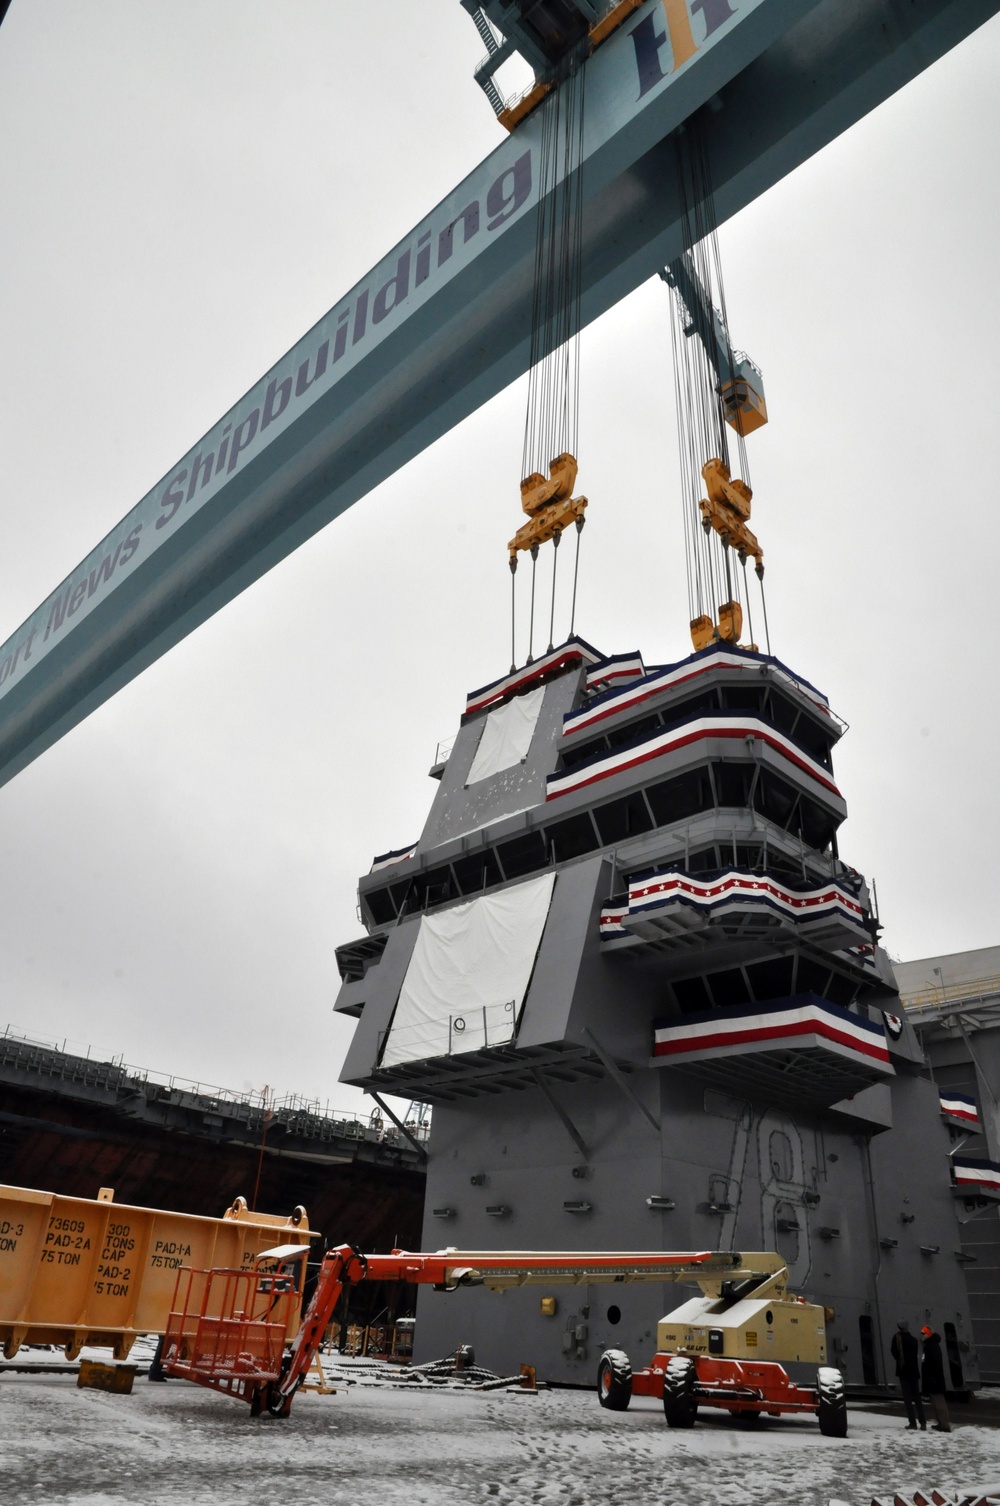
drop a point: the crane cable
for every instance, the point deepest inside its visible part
(552, 417)
(701, 417)
(703, 430)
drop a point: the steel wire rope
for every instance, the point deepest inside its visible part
(716, 284)
(701, 409)
(746, 593)
(531, 619)
(552, 416)
(539, 288)
(690, 543)
(576, 571)
(763, 602)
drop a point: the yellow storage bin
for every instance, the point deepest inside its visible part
(77, 1271)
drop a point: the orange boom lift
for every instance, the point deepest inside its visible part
(227, 1329)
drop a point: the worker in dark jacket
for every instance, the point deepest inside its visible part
(932, 1378)
(906, 1352)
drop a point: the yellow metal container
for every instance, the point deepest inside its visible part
(77, 1271)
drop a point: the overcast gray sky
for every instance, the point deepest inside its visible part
(186, 186)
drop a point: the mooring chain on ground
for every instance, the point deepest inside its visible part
(432, 1372)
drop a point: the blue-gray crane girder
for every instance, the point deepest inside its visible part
(704, 319)
(442, 323)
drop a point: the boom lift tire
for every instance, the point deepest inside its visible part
(277, 1404)
(832, 1413)
(679, 1405)
(614, 1380)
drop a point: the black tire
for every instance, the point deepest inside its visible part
(679, 1405)
(277, 1405)
(614, 1380)
(832, 1409)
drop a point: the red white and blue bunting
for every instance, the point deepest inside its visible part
(612, 921)
(961, 1109)
(651, 891)
(573, 652)
(614, 701)
(673, 902)
(974, 1175)
(616, 671)
(733, 728)
(798, 1023)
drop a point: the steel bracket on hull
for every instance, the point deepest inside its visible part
(561, 1113)
(618, 1077)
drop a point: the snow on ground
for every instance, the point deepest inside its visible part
(175, 1445)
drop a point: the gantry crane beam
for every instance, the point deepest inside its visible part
(442, 322)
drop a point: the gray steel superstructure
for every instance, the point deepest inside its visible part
(953, 1002)
(628, 967)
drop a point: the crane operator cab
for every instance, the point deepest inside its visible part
(743, 395)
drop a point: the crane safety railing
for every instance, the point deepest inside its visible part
(740, 358)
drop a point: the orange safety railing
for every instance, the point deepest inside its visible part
(227, 1329)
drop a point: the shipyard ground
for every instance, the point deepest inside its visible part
(178, 1446)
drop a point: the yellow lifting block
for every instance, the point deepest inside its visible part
(726, 509)
(537, 492)
(724, 493)
(730, 622)
(704, 632)
(77, 1271)
(546, 525)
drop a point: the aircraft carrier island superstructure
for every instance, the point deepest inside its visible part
(627, 965)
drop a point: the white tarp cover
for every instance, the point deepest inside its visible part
(506, 735)
(469, 973)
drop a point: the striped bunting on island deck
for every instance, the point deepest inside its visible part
(865, 954)
(797, 1023)
(650, 891)
(387, 859)
(671, 905)
(960, 1108)
(614, 701)
(611, 921)
(976, 1176)
(615, 671)
(734, 727)
(573, 652)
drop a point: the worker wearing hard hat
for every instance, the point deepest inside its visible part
(932, 1378)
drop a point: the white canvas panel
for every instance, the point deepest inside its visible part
(507, 735)
(469, 973)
